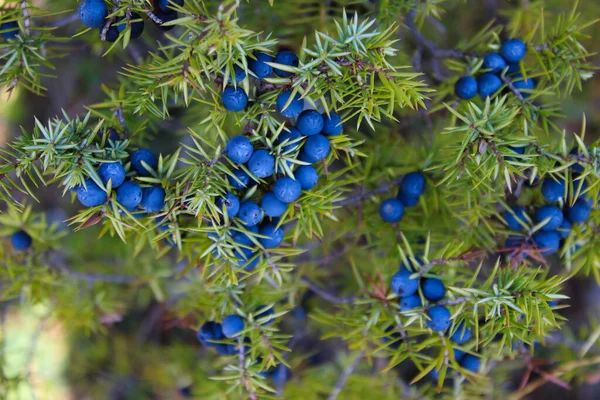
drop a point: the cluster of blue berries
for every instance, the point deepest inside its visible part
(411, 189)
(511, 53)
(558, 221)
(93, 13)
(285, 190)
(215, 335)
(433, 290)
(129, 193)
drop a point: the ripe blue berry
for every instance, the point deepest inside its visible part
(114, 172)
(516, 218)
(287, 189)
(137, 26)
(238, 73)
(402, 284)
(241, 180)
(259, 66)
(239, 149)
(153, 199)
(274, 236)
(552, 189)
(129, 194)
(272, 206)
(408, 201)
(246, 259)
(433, 289)
(261, 164)
(9, 29)
(494, 62)
(112, 34)
(264, 314)
(141, 156)
(332, 124)
(234, 98)
(513, 50)
(294, 108)
(286, 58)
(310, 122)
(565, 229)
(243, 238)
(462, 334)
(231, 203)
(307, 176)
(523, 84)
(316, 148)
(290, 135)
(20, 240)
(91, 195)
(210, 331)
(547, 241)
(250, 213)
(232, 325)
(410, 302)
(413, 184)
(488, 84)
(554, 214)
(439, 318)
(92, 13)
(579, 212)
(471, 363)
(166, 4)
(391, 210)
(113, 135)
(166, 16)
(466, 87)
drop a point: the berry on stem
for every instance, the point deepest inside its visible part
(90, 194)
(232, 325)
(274, 236)
(307, 176)
(513, 50)
(141, 156)
(494, 62)
(471, 363)
(439, 318)
(410, 302)
(250, 213)
(272, 206)
(391, 210)
(547, 241)
(579, 212)
(293, 109)
(553, 190)
(153, 199)
(287, 189)
(92, 13)
(413, 184)
(234, 98)
(285, 57)
(332, 124)
(290, 135)
(516, 218)
(402, 284)
(259, 66)
(310, 122)
(231, 203)
(239, 149)
(20, 240)
(129, 194)
(114, 172)
(210, 331)
(316, 148)
(433, 289)
(553, 214)
(462, 334)
(261, 164)
(488, 83)
(466, 87)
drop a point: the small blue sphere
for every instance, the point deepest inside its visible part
(332, 124)
(471, 363)
(234, 98)
(291, 135)
(413, 184)
(153, 199)
(410, 302)
(516, 218)
(494, 62)
(259, 66)
(391, 210)
(466, 87)
(91, 195)
(310, 122)
(231, 203)
(92, 13)
(294, 108)
(9, 29)
(408, 201)
(315, 149)
(439, 318)
(513, 50)
(242, 238)
(238, 73)
(402, 284)
(274, 236)
(272, 206)
(210, 331)
(112, 34)
(137, 27)
(462, 334)
(20, 240)
(114, 172)
(488, 83)
(287, 189)
(239, 149)
(579, 212)
(547, 241)
(285, 58)
(553, 189)
(307, 175)
(241, 180)
(165, 16)
(554, 214)
(143, 156)
(264, 314)
(564, 230)
(261, 164)
(250, 213)
(433, 289)
(523, 84)
(232, 325)
(129, 194)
